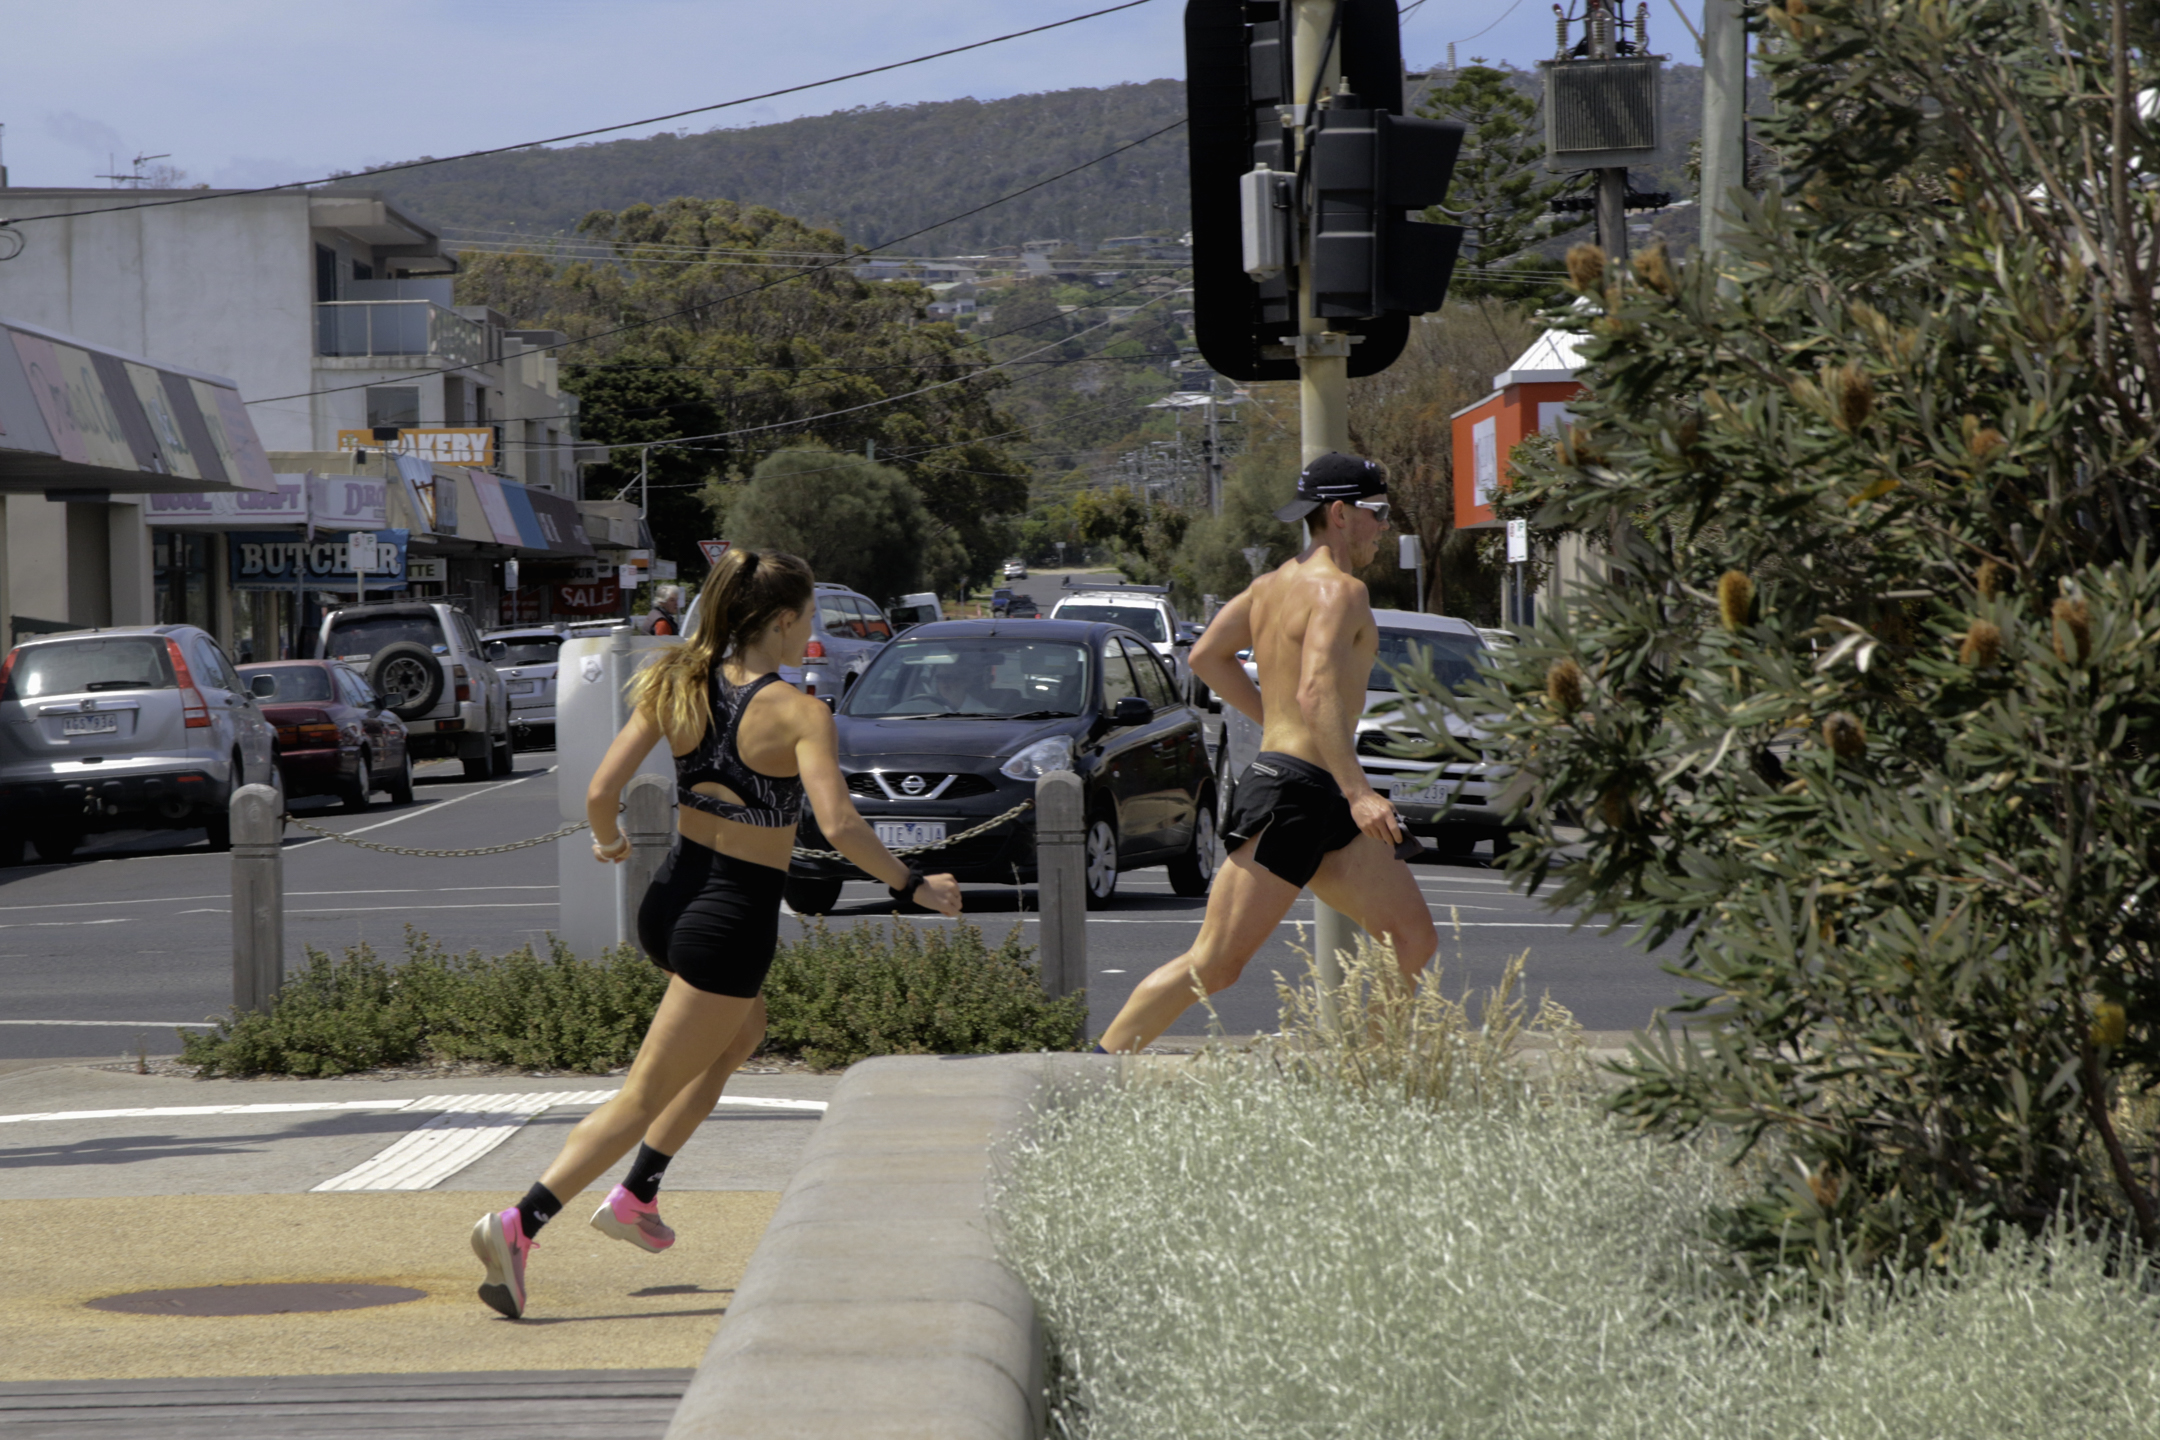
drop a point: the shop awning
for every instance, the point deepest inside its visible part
(334, 503)
(77, 419)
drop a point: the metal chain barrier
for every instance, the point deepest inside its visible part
(905, 850)
(572, 828)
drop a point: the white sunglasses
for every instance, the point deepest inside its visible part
(1380, 510)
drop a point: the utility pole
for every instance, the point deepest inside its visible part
(1724, 117)
(1611, 180)
(1214, 457)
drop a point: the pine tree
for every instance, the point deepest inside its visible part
(1500, 188)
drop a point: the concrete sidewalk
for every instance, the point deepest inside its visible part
(214, 1183)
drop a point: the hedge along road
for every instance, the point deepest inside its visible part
(135, 936)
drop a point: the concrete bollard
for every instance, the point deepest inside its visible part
(648, 818)
(258, 896)
(1334, 935)
(1061, 881)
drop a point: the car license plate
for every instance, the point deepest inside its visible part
(90, 724)
(524, 687)
(1436, 793)
(896, 833)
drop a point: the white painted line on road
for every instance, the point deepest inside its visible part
(424, 810)
(176, 899)
(371, 909)
(103, 904)
(69, 924)
(126, 1024)
(451, 1141)
(426, 1102)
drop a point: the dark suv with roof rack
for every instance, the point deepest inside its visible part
(954, 721)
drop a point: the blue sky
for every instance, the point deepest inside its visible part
(257, 92)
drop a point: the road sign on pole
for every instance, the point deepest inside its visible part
(1518, 541)
(713, 549)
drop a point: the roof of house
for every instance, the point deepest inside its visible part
(1552, 357)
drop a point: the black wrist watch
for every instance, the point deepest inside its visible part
(910, 885)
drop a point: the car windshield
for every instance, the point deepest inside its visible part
(76, 667)
(294, 683)
(528, 649)
(361, 636)
(1144, 619)
(990, 677)
(1454, 658)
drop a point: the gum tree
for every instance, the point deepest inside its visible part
(1862, 724)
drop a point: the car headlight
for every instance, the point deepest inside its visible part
(1040, 758)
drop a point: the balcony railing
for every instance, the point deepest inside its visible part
(398, 327)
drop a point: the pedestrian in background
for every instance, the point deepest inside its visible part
(665, 617)
(747, 749)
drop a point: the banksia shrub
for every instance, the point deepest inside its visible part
(1655, 270)
(2073, 629)
(1843, 733)
(1854, 395)
(1990, 579)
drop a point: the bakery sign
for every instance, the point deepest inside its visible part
(455, 445)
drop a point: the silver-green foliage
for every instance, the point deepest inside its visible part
(1863, 717)
(1246, 1253)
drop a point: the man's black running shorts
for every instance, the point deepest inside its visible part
(1296, 809)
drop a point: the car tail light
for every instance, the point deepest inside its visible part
(324, 734)
(7, 668)
(815, 650)
(464, 686)
(194, 710)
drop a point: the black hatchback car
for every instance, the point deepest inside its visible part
(955, 721)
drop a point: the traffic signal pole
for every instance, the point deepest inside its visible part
(1323, 357)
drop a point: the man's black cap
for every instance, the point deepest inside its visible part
(1333, 476)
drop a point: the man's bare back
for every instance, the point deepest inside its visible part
(1304, 811)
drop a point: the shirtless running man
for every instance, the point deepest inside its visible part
(1304, 812)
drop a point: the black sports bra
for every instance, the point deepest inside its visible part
(773, 801)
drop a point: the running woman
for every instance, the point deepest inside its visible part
(747, 749)
(1304, 813)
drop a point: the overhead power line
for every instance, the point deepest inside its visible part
(803, 272)
(195, 198)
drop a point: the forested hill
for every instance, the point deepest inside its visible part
(871, 173)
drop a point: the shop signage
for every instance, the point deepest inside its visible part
(521, 607)
(598, 599)
(425, 571)
(457, 445)
(274, 560)
(330, 502)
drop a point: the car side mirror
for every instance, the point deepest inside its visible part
(494, 650)
(1184, 641)
(1132, 710)
(379, 700)
(262, 687)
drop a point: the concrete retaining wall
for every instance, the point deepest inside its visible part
(875, 1307)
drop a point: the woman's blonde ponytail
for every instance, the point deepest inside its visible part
(746, 591)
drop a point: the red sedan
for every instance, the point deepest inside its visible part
(335, 736)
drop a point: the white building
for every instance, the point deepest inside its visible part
(331, 312)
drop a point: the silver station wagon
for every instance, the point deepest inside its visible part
(136, 727)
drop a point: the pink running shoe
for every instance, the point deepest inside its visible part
(499, 1240)
(626, 1217)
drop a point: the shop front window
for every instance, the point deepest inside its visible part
(181, 561)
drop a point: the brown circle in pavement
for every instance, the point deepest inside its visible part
(256, 1299)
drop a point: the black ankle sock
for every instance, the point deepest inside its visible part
(1098, 1050)
(537, 1208)
(643, 1180)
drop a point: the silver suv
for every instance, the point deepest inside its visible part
(525, 657)
(846, 634)
(136, 727)
(1142, 608)
(426, 659)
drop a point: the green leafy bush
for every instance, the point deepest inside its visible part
(837, 997)
(1860, 715)
(833, 999)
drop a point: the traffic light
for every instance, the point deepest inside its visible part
(1373, 268)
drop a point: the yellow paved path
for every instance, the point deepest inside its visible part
(596, 1303)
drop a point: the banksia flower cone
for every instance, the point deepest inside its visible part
(2109, 1025)
(1855, 396)
(1983, 645)
(1845, 737)
(1991, 579)
(1735, 599)
(1654, 270)
(1586, 268)
(1615, 807)
(1564, 686)
(2074, 619)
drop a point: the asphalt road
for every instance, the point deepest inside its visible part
(110, 952)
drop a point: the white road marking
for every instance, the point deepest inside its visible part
(430, 809)
(451, 1141)
(424, 1103)
(66, 924)
(176, 899)
(371, 909)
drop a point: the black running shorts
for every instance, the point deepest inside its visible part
(1297, 811)
(712, 919)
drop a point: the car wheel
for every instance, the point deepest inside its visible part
(1192, 872)
(409, 676)
(479, 767)
(1101, 862)
(56, 847)
(357, 795)
(401, 784)
(11, 850)
(218, 829)
(811, 897)
(501, 756)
